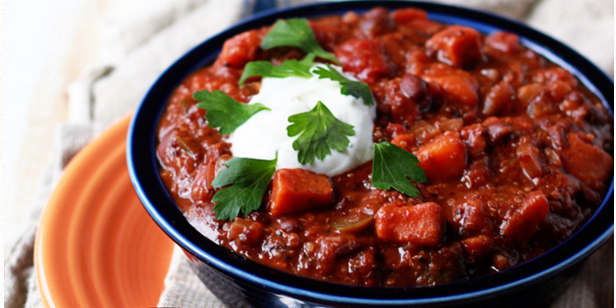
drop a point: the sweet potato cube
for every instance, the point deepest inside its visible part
(477, 247)
(402, 16)
(295, 190)
(455, 86)
(506, 42)
(525, 221)
(457, 46)
(421, 224)
(443, 158)
(589, 164)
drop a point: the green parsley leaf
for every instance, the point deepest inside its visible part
(285, 69)
(320, 131)
(295, 32)
(357, 89)
(392, 167)
(225, 112)
(248, 179)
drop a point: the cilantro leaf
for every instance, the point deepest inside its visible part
(295, 32)
(225, 112)
(248, 179)
(357, 89)
(392, 167)
(320, 131)
(285, 69)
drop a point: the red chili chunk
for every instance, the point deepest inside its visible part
(517, 152)
(295, 190)
(419, 224)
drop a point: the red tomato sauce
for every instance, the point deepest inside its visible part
(516, 150)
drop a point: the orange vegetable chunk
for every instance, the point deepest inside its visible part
(421, 224)
(525, 221)
(444, 157)
(401, 16)
(589, 164)
(457, 46)
(295, 190)
(455, 86)
(477, 247)
(240, 49)
(506, 42)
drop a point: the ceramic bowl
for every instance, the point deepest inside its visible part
(240, 282)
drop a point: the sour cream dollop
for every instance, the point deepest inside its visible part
(265, 133)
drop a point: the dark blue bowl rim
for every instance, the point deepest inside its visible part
(143, 170)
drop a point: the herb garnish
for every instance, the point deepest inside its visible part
(320, 131)
(225, 112)
(295, 32)
(392, 167)
(285, 69)
(249, 179)
(357, 89)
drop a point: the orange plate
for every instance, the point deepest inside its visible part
(96, 246)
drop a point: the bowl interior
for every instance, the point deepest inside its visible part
(143, 168)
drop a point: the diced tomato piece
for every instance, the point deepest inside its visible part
(477, 247)
(421, 224)
(443, 158)
(366, 59)
(526, 220)
(295, 190)
(589, 164)
(457, 46)
(405, 15)
(240, 49)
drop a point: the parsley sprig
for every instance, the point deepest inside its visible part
(248, 179)
(295, 32)
(320, 131)
(224, 112)
(392, 167)
(285, 69)
(357, 89)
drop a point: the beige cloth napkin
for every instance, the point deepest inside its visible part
(144, 45)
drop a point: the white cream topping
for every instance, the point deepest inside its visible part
(265, 133)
